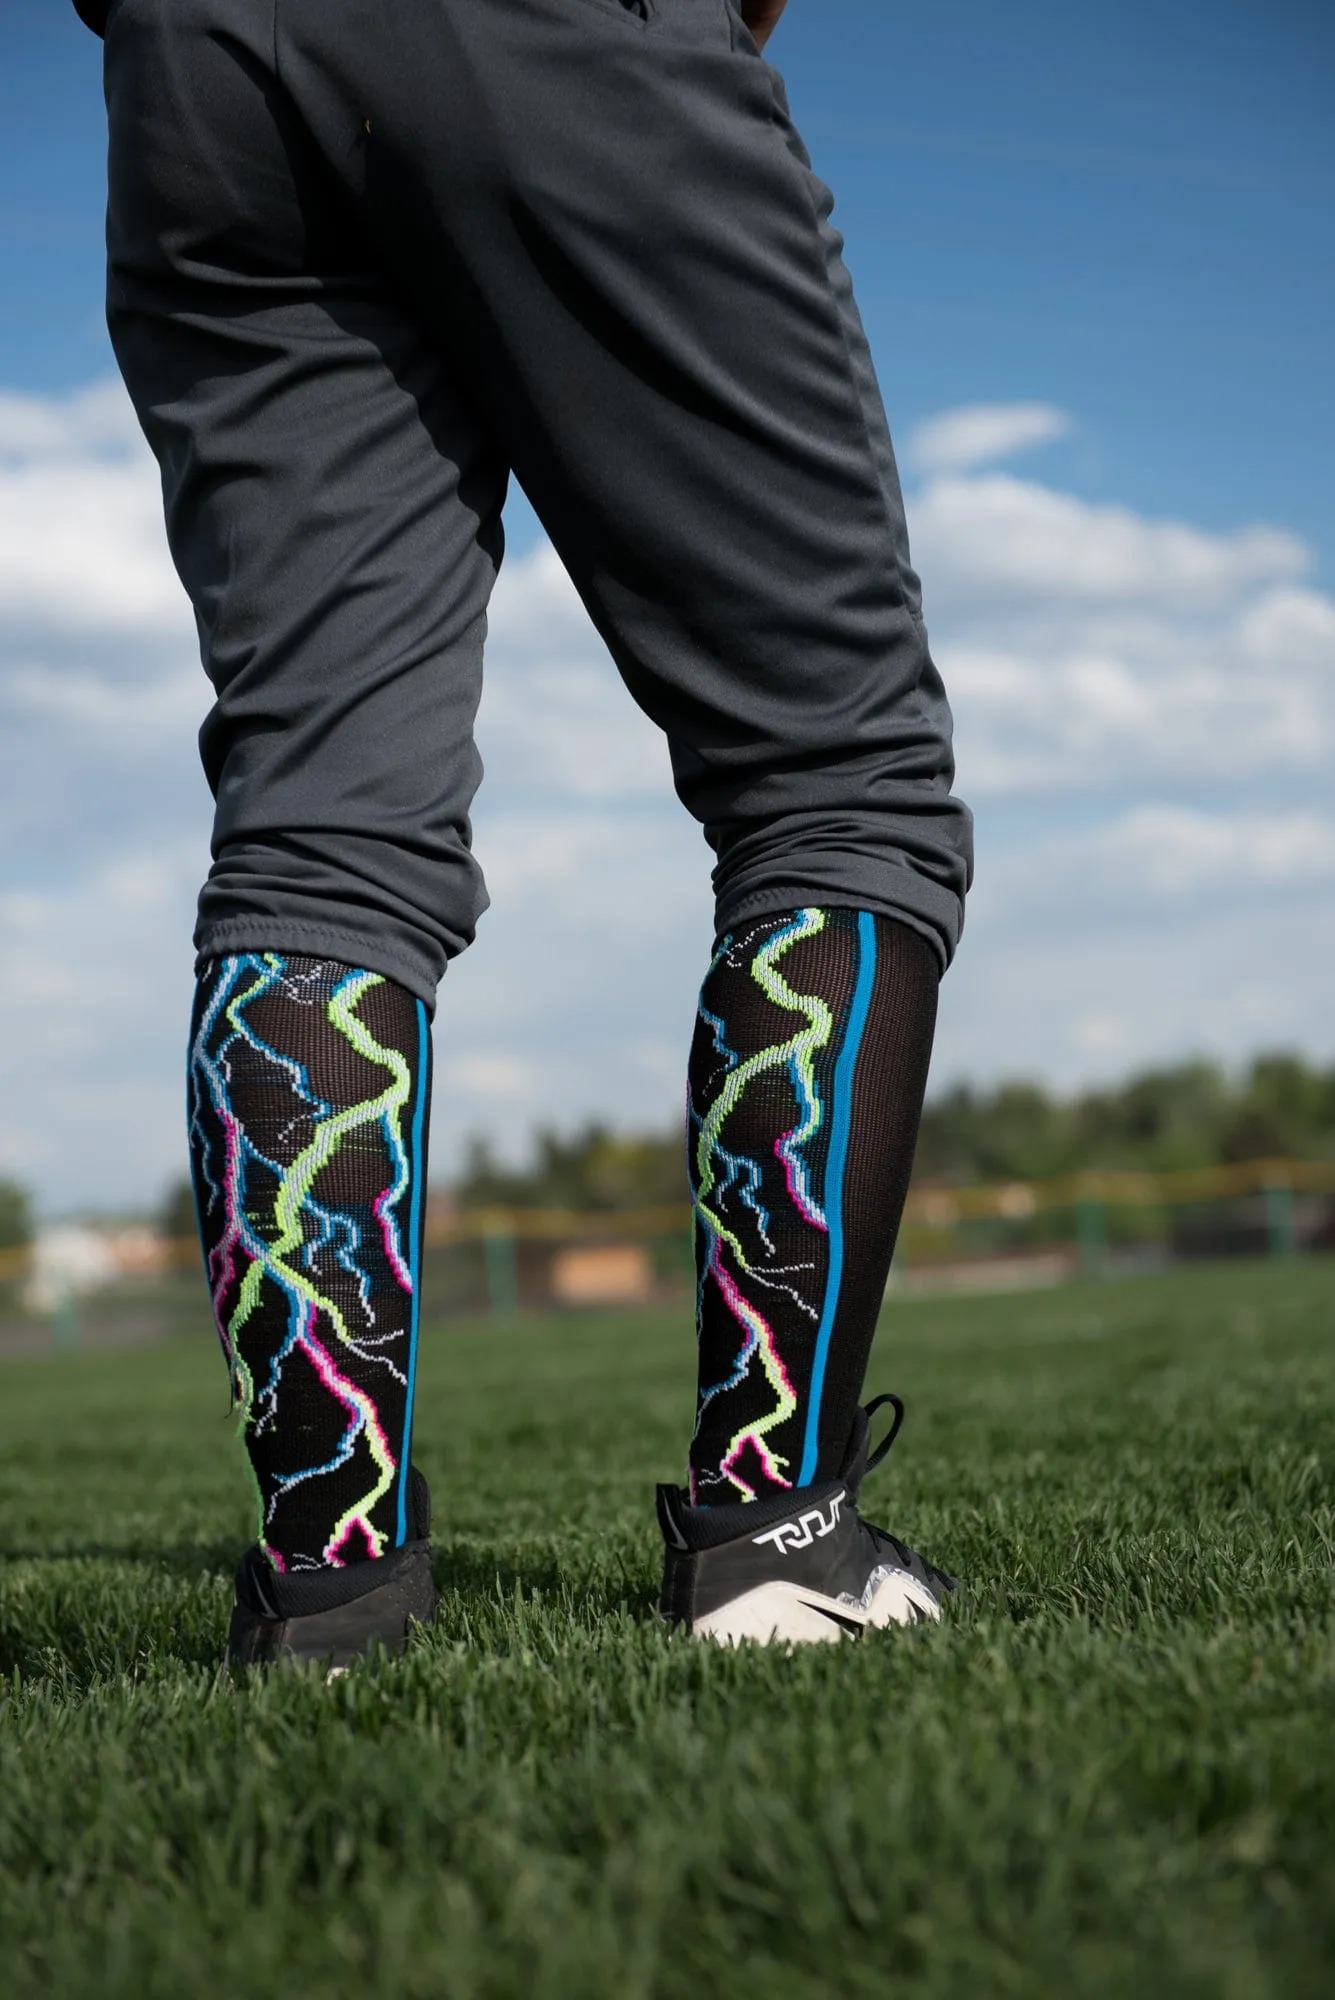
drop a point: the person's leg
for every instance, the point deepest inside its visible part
(806, 1084)
(606, 209)
(604, 219)
(308, 1091)
(332, 505)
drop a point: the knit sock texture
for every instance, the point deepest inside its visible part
(807, 1075)
(308, 1089)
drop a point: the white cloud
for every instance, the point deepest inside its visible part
(1102, 1035)
(95, 980)
(1066, 703)
(994, 534)
(1154, 856)
(510, 1079)
(1174, 851)
(553, 702)
(94, 421)
(535, 609)
(82, 549)
(981, 433)
(1085, 645)
(78, 700)
(1223, 975)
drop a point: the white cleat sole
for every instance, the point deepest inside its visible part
(783, 1614)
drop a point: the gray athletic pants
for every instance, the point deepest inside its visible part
(365, 260)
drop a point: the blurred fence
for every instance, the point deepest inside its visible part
(1017, 1232)
(968, 1237)
(1096, 1223)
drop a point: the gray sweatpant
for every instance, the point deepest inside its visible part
(365, 260)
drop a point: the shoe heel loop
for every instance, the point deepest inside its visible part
(878, 1402)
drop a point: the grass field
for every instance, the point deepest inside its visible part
(1112, 1773)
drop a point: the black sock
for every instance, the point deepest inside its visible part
(309, 1087)
(806, 1084)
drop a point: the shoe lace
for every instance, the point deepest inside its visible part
(907, 1557)
(877, 1402)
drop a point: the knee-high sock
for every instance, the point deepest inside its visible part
(309, 1085)
(807, 1075)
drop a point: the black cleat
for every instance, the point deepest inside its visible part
(333, 1617)
(798, 1568)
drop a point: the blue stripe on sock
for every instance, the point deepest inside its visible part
(840, 1118)
(417, 1198)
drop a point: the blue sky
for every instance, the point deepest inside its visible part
(1093, 250)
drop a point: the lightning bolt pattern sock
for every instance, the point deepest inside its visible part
(807, 1075)
(308, 1090)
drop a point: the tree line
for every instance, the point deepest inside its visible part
(1192, 1114)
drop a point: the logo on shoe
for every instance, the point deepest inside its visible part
(805, 1530)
